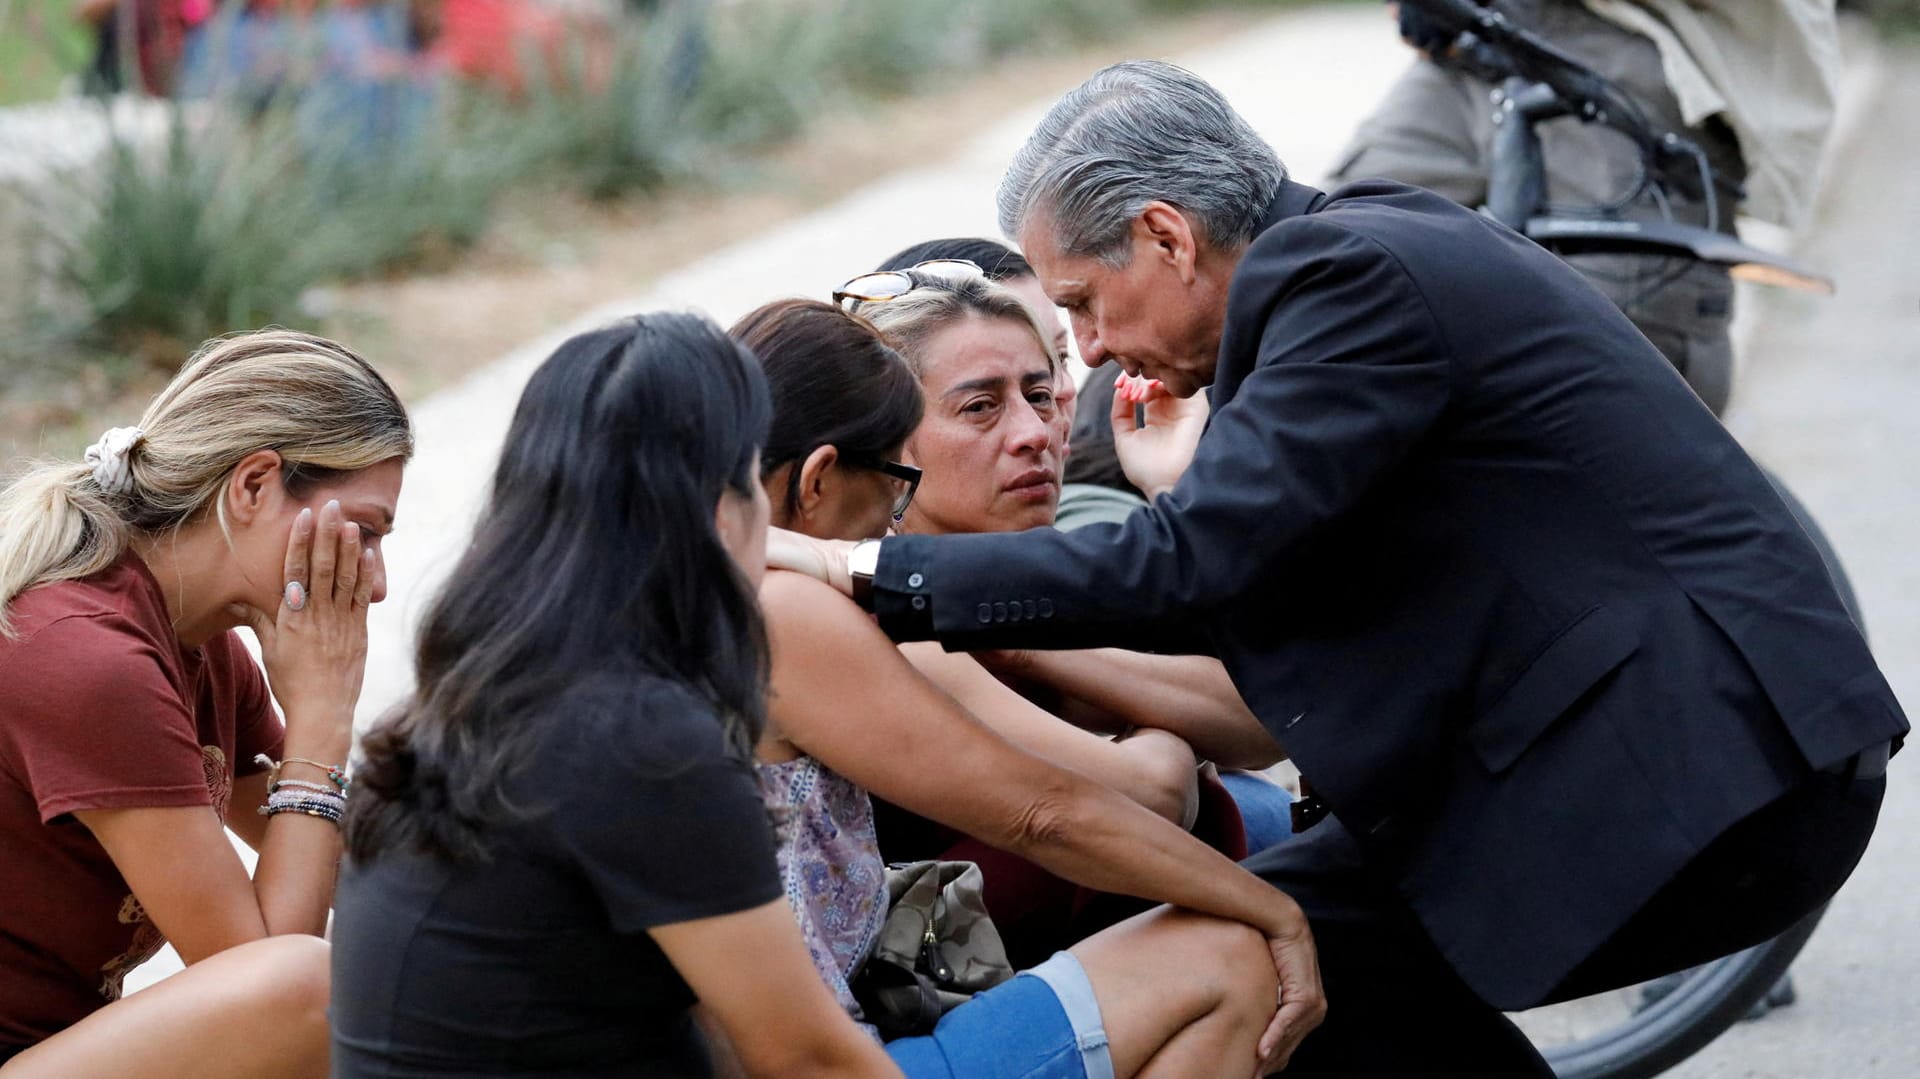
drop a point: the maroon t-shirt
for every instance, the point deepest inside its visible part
(101, 708)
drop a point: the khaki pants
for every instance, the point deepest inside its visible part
(1435, 129)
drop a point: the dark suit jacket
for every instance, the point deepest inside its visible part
(1524, 614)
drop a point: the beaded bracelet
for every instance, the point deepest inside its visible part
(302, 795)
(284, 784)
(325, 804)
(323, 815)
(336, 773)
(309, 809)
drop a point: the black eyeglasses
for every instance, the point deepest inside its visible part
(882, 285)
(906, 474)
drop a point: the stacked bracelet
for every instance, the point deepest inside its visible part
(284, 798)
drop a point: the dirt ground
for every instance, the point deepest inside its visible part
(551, 255)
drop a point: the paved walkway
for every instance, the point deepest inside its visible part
(1304, 79)
(1825, 399)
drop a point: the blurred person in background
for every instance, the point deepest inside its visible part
(135, 728)
(355, 75)
(141, 38)
(1753, 82)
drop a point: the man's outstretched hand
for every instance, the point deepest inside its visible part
(823, 560)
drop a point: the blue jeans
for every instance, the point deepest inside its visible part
(1266, 809)
(1044, 1024)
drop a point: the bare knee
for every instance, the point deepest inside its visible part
(1240, 968)
(1169, 774)
(292, 977)
(258, 1008)
(1225, 963)
(1177, 988)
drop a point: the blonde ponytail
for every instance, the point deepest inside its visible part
(325, 410)
(54, 527)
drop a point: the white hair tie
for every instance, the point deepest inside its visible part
(108, 456)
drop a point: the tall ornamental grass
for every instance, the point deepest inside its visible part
(245, 205)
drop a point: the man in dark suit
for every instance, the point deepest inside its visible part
(1578, 692)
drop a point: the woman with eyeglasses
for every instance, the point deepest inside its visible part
(1105, 689)
(1172, 993)
(990, 445)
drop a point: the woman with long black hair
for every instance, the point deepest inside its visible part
(557, 845)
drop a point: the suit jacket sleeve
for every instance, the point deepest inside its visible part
(1350, 375)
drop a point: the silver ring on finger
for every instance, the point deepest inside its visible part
(296, 596)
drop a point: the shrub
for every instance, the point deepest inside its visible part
(210, 229)
(229, 217)
(246, 204)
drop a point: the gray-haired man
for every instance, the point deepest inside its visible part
(1577, 690)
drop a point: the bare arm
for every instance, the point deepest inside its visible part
(177, 859)
(1155, 769)
(191, 883)
(1190, 696)
(843, 694)
(756, 982)
(243, 810)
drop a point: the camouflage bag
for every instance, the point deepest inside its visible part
(937, 948)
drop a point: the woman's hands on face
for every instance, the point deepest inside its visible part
(1156, 455)
(316, 655)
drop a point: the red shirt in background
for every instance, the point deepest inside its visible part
(490, 40)
(101, 708)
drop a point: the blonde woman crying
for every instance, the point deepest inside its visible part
(255, 491)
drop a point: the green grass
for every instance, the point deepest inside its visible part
(40, 46)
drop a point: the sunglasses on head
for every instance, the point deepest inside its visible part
(883, 285)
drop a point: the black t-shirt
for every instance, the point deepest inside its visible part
(537, 961)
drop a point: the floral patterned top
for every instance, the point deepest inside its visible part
(830, 864)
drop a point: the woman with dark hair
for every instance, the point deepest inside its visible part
(1112, 689)
(1095, 486)
(841, 397)
(844, 403)
(1168, 993)
(558, 846)
(1009, 268)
